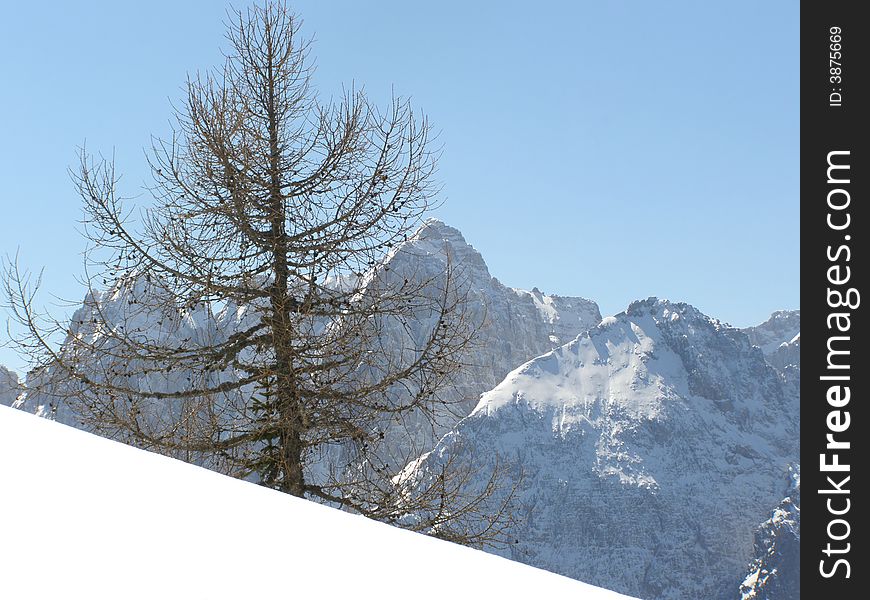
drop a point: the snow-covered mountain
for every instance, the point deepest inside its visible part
(84, 517)
(775, 572)
(517, 326)
(649, 450)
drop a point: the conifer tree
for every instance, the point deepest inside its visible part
(254, 338)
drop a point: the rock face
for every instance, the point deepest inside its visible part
(787, 356)
(775, 572)
(9, 386)
(780, 340)
(782, 327)
(650, 448)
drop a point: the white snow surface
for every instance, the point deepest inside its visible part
(117, 522)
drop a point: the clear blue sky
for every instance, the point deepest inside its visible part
(613, 150)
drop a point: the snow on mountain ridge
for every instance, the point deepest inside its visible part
(562, 313)
(780, 340)
(622, 331)
(567, 315)
(782, 327)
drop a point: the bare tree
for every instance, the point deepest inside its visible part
(261, 332)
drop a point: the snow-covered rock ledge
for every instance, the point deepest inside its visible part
(85, 517)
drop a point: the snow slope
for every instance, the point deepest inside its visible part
(84, 517)
(650, 449)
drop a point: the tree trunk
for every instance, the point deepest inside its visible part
(290, 474)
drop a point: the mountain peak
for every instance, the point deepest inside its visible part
(664, 309)
(435, 229)
(782, 328)
(438, 244)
